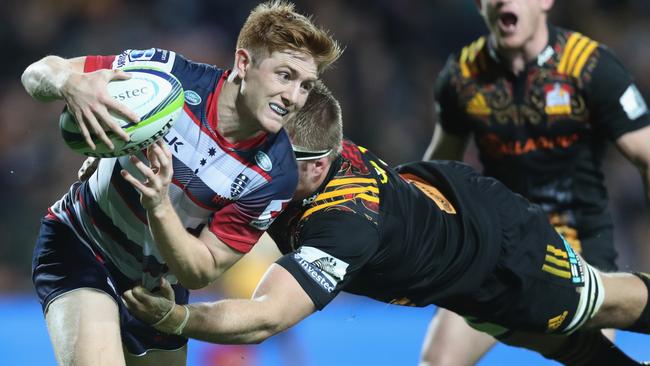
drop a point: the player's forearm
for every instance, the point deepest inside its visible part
(230, 322)
(44, 80)
(188, 257)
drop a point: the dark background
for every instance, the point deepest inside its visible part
(384, 80)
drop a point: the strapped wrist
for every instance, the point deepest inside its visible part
(181, 326)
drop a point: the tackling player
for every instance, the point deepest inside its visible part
(221, 176)
(542, 103)
(425, 233)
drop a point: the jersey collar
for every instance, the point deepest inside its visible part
(547, 52)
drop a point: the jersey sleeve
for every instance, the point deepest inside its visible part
(334, 247)
(240, 224)
(152, 57)
(616, 106)
(447, 103)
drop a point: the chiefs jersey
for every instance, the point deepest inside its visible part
(394, 237)
(431, 233)
(237, 190)
(544, 132)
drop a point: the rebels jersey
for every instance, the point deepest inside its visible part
(407, 238)
(543, 132)
(237, 190)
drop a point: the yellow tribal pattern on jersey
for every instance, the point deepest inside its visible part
(341, 190)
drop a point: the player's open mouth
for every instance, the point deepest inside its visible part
(508, 22)
(279, 110)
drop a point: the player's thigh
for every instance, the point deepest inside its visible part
(450, 341)
(158, 357)
(84, 327)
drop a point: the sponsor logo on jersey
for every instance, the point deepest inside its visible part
(238, 185)
(323, 268)
(633, 103)
(142, 55)
(478, 106)
(545, 55)
(192, 98)
(555, 322)
(263, 161)
(267, 217)
(558, 99)
(309, 200)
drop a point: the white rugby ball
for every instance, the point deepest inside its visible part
(154, 95)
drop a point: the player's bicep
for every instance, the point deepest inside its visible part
(334, 247)
(283, 297)
(223, 255)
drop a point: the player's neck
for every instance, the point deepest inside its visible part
(234, 126)
(517, 58)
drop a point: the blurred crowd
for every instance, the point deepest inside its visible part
(384, 80)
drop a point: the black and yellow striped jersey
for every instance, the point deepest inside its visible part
(544, 132)
(420, 235)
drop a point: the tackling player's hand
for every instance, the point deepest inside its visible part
(153, 308)
(87, 98)
(87, 168)
(158, 175)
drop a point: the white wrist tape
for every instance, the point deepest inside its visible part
(179, 330)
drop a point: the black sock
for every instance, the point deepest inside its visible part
(642, 325)
(590, 348)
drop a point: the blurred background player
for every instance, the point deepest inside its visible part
(231, 164)
(541, 102)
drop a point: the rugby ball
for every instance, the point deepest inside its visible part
(154, 95)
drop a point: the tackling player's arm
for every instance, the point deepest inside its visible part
(85, 94)
(450, 135)
(278, 303)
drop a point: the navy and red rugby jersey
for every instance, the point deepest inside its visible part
(237, 190)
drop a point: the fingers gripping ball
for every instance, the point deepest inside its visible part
(154, 95)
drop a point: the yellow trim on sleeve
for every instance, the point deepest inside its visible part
(562, 66)
(577, 69)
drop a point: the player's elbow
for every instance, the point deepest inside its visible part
(36, 79)
(195, 280)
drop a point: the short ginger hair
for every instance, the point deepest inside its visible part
(276, 26)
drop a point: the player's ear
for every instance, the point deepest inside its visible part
(243, 61)
(321, 166)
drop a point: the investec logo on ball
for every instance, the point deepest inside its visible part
(138, 92)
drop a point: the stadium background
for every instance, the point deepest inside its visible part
(394, 50)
